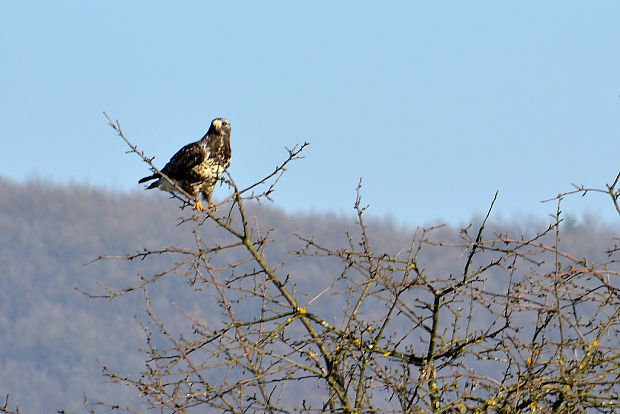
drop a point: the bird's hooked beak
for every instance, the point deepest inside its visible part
(217, 124)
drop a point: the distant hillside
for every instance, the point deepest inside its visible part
(51, 335)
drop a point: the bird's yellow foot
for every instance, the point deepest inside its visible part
(198, 206)
(212, 207)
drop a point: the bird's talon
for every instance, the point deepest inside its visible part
(198, 206)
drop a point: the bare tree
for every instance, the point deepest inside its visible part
(521, 325)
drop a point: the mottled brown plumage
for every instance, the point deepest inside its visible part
(197, 167)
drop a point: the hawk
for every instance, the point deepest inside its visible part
(197, 167)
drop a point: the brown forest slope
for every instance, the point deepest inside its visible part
(51, 335)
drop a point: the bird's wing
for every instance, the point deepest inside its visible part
(184, 160)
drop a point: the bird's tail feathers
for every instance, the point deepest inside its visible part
(149, 178)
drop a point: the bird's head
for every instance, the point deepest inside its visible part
(219, 126)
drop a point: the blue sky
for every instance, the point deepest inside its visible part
(435, 105)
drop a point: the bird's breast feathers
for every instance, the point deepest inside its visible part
(211, 168)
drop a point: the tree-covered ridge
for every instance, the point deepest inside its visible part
(51, 335)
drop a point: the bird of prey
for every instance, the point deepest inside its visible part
(197, 167)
